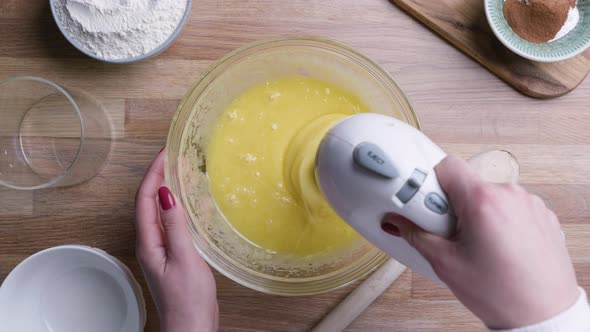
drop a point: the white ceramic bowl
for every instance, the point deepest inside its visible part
(71, 289)
(146, 56)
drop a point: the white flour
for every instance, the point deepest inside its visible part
(573, 17)
(120, 29)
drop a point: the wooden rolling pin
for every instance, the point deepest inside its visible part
(493, 166)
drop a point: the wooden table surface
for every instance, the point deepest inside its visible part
(461, 105)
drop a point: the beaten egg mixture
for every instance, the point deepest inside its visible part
(260, 163)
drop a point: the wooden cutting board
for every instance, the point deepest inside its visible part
(463, 23)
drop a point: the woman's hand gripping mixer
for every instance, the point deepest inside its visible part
(371, 164)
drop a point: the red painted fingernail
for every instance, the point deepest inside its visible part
(391, 229)
(166, 198)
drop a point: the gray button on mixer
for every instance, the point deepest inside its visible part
(371, 157)
(436, 204)
(411, 187)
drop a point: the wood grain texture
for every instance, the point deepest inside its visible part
(463, 23)
(361, 297)
(461, 106)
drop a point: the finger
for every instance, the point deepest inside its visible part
(176, 231)
(431, 246)
(148, 228)
(458, 180)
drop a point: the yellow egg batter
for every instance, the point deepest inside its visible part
(260, 162)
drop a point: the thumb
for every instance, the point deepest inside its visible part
(458, 180)
(429, 245)
(176, 232)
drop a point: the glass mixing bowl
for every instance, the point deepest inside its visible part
(186, 151)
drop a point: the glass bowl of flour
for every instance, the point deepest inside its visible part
(121, 31)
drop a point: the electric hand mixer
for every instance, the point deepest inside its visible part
(368, 165)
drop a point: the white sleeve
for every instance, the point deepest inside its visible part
(574, 319)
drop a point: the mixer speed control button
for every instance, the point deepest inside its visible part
(411, 187)
(371, 157)
(436, 204)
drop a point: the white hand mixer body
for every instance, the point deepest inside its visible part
(369, 165)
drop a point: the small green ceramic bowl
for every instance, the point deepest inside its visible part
(570, 45)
